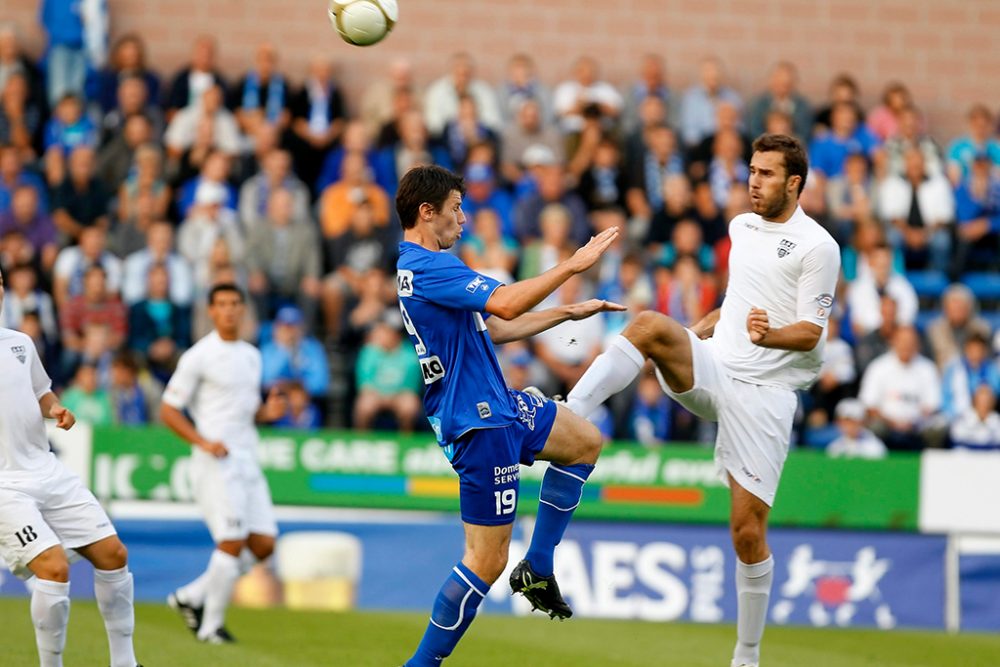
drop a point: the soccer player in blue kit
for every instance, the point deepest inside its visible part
(453, 316)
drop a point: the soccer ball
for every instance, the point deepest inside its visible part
(363, 22)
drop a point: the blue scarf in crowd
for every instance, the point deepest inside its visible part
(275, 95)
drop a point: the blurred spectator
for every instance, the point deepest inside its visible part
(67, 130)
(948, 332)
(650, 419)
(522, 85)
(659, 160)
(843, 88)
(293, 355)
(275, 174)
(403, 102)
(214, 168)
(568, 349)
(605, 182)
(851, 197)
(854, 440)
(127, 59)
(585, 89)
(864, 293)
(339, 202)
(651, 83)
(487, 250)
(15, 62)
(96, 306)
(911, 136)
(682, 291)
(781, 95)
(686, 240)
(145, 179)
(301, 414)
(727, 121)
(373, 302)
(698, 113)
(441, 102)
(284, 258)
(828, 151)
(207, 224)
(412, 149)
(23, 296)
(676, 206)
(87, 399)
(198, 76)
(883, 120)
(115, 159)
(159, 327)
(318, 118)
(205, 122)
(133, 100)
(962, 375)
(465, 130)
(134, 396)
(978, 428)
(159, 249)
(355, 140)
(873, 344)
(728, 167)
(65, 24)
(977, 217)
(553, 245)
(377, 102)
(74, 261)
(262, 95)
(837, 376)
(551, 190)
(902, 392)
(630, 286)
(980, 141)
(81, 200)
(868, 237)
(920, 209)
(388, 379)
(13, 175)
(20, 116)
(26, 217)
(482, 192)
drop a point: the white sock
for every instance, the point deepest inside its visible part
(247, 561)
(194, 592)
(610, 373)
(223, 571)
(50, 614)
(753, 588)
(113, 590)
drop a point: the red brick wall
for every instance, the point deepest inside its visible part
(947, 51)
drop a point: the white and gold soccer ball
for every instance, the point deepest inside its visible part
(363, 22)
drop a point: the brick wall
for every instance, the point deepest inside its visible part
(947, 51)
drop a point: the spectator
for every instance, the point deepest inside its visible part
(96, 306)
(292, 355)
(948, 332)
(23, 296)
(67, 130)
(412, 149)
(683, 292)
(829, 151)
(483, 193)
(875, 343)
(318, 118)
(486, 250)
(520, 86)
(650, 419)
(911, 136)
(727, 121)
(551, 190)
(377, 102)
(961, 376)
(604, 183)
(262, 95)
(145, 179)
(442, 100)
(837, 376)
(159, 249)
(978, 428)
(275, 174)
(66, 56)
(585, 89)
(133, 100)
(659, 160)
(340, 201)
(355, 140)
(883, 120)
(651, 83)
(854, 440)
(159, 327)
(14, 62)
(843, 88)
(205, 122)
(651, 112)
(977, 214)
(902, 392)
(26, 217)
(851, 197)
(464, 131)
(302, 415)
(134, 396)
(20, 116)
(373, 302)
(568, 349)
(727, 168)
(73, 262)
(388, 380)
(864, 293)
(115, 159)
(686, 239)
(980, 141)
(13, 175)
(127, 59)
(81, 200)
(87, 399)
(920, 209)
(403, 102)
(214, 168)
(553, 246)
(196, 78)
(698, 107)
(781, 95)
(207, 224)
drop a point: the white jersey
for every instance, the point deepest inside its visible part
(24, 446)
(218, 382)
(789, 269)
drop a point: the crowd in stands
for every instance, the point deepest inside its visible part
(126, 193)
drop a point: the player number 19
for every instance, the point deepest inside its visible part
(506, 501)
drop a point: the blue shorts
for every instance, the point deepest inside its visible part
(488, 461)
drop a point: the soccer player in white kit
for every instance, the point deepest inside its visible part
(45, 509)
(740, 366)
(218, 381)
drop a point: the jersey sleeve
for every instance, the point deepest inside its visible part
(183, 383)
(40, 382)
(448, 282)
(817, 284)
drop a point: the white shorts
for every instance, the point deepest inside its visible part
(234, 497)
(43, 511)
(755, 421)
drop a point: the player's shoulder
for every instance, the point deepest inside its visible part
(11, 334)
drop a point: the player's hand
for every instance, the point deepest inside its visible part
(583, 310)
(757, 325)
(64, 418)
(275, 406)
(587, 256)
(215, 448)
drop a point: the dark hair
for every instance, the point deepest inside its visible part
(225, 287)
(126, 359)
(796, 163)
(429, 184)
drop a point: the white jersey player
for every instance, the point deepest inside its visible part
(740, 366)
(218, 382)
(45, 509)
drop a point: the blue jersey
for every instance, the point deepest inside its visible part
(443, 302)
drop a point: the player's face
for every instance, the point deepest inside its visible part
(447, 223)
(226, 312)
(772, 193)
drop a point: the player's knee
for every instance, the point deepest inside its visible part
(116, 557)
(748, 541)
(592, 442)
(51, 566)
(488, 565)
(262, 546)
(647, 330)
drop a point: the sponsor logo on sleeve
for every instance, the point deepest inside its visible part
(404, 282)
(476, 283)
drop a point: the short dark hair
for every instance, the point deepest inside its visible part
(796, 162)
(428, 184)
(225, 287)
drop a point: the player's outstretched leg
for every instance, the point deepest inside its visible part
(221, 576)
(189, 599)
(754, 573)
(50, 604)
(113, 588)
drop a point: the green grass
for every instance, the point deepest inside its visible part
(282, 638)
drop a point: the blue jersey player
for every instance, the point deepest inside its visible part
(453, 316)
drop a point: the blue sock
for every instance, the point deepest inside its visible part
(454, 609)
(562, 488)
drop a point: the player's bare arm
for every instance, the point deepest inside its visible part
(53, 409)
(529, 324)
(510, 301)
(705, 327)
(182, 426)
(799, 337)
(274, 407)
